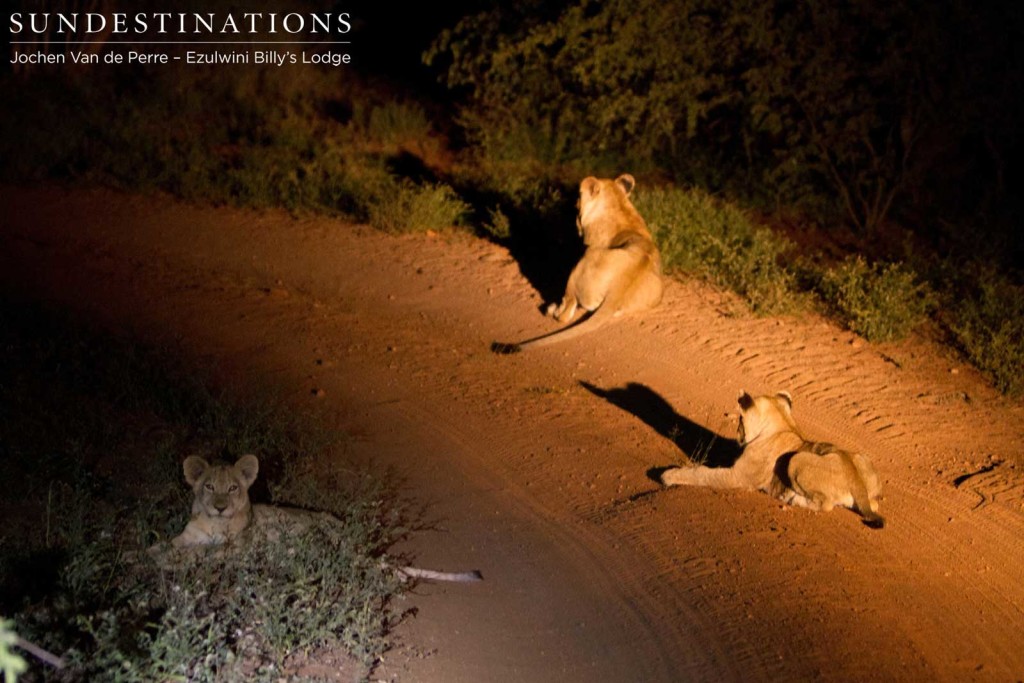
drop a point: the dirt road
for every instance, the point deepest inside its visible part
(537, 465)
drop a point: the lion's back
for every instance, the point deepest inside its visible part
(271, 522)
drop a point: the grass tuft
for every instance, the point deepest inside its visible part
(396, 124)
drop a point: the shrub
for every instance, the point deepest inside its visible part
(882, 302)
(240, 617)
(398, 206)
(987, 322)
(783, 95)
(699, 234)
(258, 138)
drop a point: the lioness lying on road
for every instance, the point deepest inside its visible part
(776, 459)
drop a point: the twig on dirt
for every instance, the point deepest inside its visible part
(39, 653)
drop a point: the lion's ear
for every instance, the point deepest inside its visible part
(626, 182)
(745, 401)
(248, 466)
(590, 186)
(194, 467)
(785, 396)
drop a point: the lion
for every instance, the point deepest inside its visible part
(620, 271)
(778, 460)
(222, 515)
(821, 476)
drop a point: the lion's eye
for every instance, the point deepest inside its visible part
(233, 488)
(208, 486)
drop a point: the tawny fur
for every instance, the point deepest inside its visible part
(821, 476)
(223, 516)
(620, 272)
(220, 509)
(778, 460)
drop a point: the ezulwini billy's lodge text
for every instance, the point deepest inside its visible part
(273, 57)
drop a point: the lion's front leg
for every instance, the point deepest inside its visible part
(718, 477)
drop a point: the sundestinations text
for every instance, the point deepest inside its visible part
(179, 23)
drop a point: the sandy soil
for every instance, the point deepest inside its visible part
(538, 464)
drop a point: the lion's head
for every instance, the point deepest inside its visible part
(765, 416)
(605, 209)
(221, 491)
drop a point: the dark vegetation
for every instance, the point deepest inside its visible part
(94, 431)
(855, 112)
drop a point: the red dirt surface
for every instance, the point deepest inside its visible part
(537, 464)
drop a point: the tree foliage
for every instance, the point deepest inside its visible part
(853, 104)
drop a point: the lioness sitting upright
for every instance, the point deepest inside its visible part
(778, 460)
(223, 515)
(620, 272)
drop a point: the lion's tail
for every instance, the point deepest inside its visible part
(584, 326)
(861, 499)
(870, 517)
(432, 575)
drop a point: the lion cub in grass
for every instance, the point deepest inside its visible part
(620, 272)
(222, 514)
(778, 460)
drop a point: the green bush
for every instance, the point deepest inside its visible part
(778, 95)
(987, 322)
(403, 206)
(881, 302)
(698, 234)
(237, 617)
